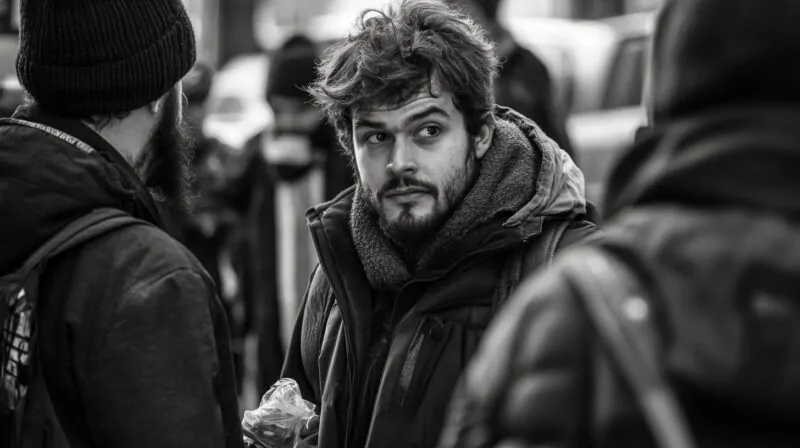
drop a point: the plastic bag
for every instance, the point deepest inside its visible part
(277, 421)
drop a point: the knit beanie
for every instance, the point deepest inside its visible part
(713, 53)
(293, 68)
(79, 58)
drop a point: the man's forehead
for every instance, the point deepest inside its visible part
(419, 102)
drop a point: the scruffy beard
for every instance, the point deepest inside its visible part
(408, 232)
(165, 166)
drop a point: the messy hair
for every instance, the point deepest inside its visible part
(393, 54)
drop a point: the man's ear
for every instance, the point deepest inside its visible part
(157, 106)
(483, 140)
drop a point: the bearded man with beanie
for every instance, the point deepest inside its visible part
(132, 341)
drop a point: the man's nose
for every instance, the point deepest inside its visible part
(403, 160)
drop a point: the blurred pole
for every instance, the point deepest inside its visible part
(598, 9)
(236, 29)
(203, 14)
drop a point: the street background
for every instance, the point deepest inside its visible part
(595, 51)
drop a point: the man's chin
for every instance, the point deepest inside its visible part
(407, 228)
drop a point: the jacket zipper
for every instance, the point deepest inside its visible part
(410, 363)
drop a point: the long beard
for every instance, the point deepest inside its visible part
(165, 167)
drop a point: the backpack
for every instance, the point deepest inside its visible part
(616, 303)
(27, 416)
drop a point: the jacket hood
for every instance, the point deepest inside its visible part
(709, 53)
(523, 179)
(560, 187)
(736, 157)
(45, 183)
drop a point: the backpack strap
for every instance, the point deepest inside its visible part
(76, 233)
(35, 416)
(616, 303)
(540, 251)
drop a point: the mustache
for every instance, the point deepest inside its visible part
(407, 181)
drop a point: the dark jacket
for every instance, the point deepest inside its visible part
(705, 213)
(134, 345)
(439, 312)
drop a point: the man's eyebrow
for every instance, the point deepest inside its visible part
(425, 113)
(366, 123)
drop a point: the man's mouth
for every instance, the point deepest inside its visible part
(406, 191)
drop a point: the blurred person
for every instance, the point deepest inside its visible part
(455, 199)
(129, 345)
(703, 236)
(208, 230)
(289, 168)
(523, 82)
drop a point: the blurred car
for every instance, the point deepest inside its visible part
(599, 68)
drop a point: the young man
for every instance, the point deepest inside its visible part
(705, 218)
(132, 342)
(452, 195)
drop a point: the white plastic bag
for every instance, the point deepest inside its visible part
(277, 421)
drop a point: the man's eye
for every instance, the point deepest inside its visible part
(376, 138)
(429, 131)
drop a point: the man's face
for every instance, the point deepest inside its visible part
(166, 163)
(415, 163)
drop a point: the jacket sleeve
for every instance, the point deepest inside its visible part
(306, 342)
(527, 384)
(159, 375)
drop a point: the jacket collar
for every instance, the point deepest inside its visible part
(141, 203)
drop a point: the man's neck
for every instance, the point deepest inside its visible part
(129, 136)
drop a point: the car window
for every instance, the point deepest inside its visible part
(626, 79)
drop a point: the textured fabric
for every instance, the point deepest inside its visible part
(138, 351)
(727, 317)
(509, 186)
(337, 350)
(80, 58)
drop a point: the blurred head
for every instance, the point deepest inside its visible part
(289, 151)
(196, 88)
(410, 94)
(709, 53)
(116, 65)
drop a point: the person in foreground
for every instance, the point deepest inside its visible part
(131, 339)
(455, 200)
(704, 216)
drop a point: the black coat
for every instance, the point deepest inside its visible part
(133, 340)
(705, 212)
